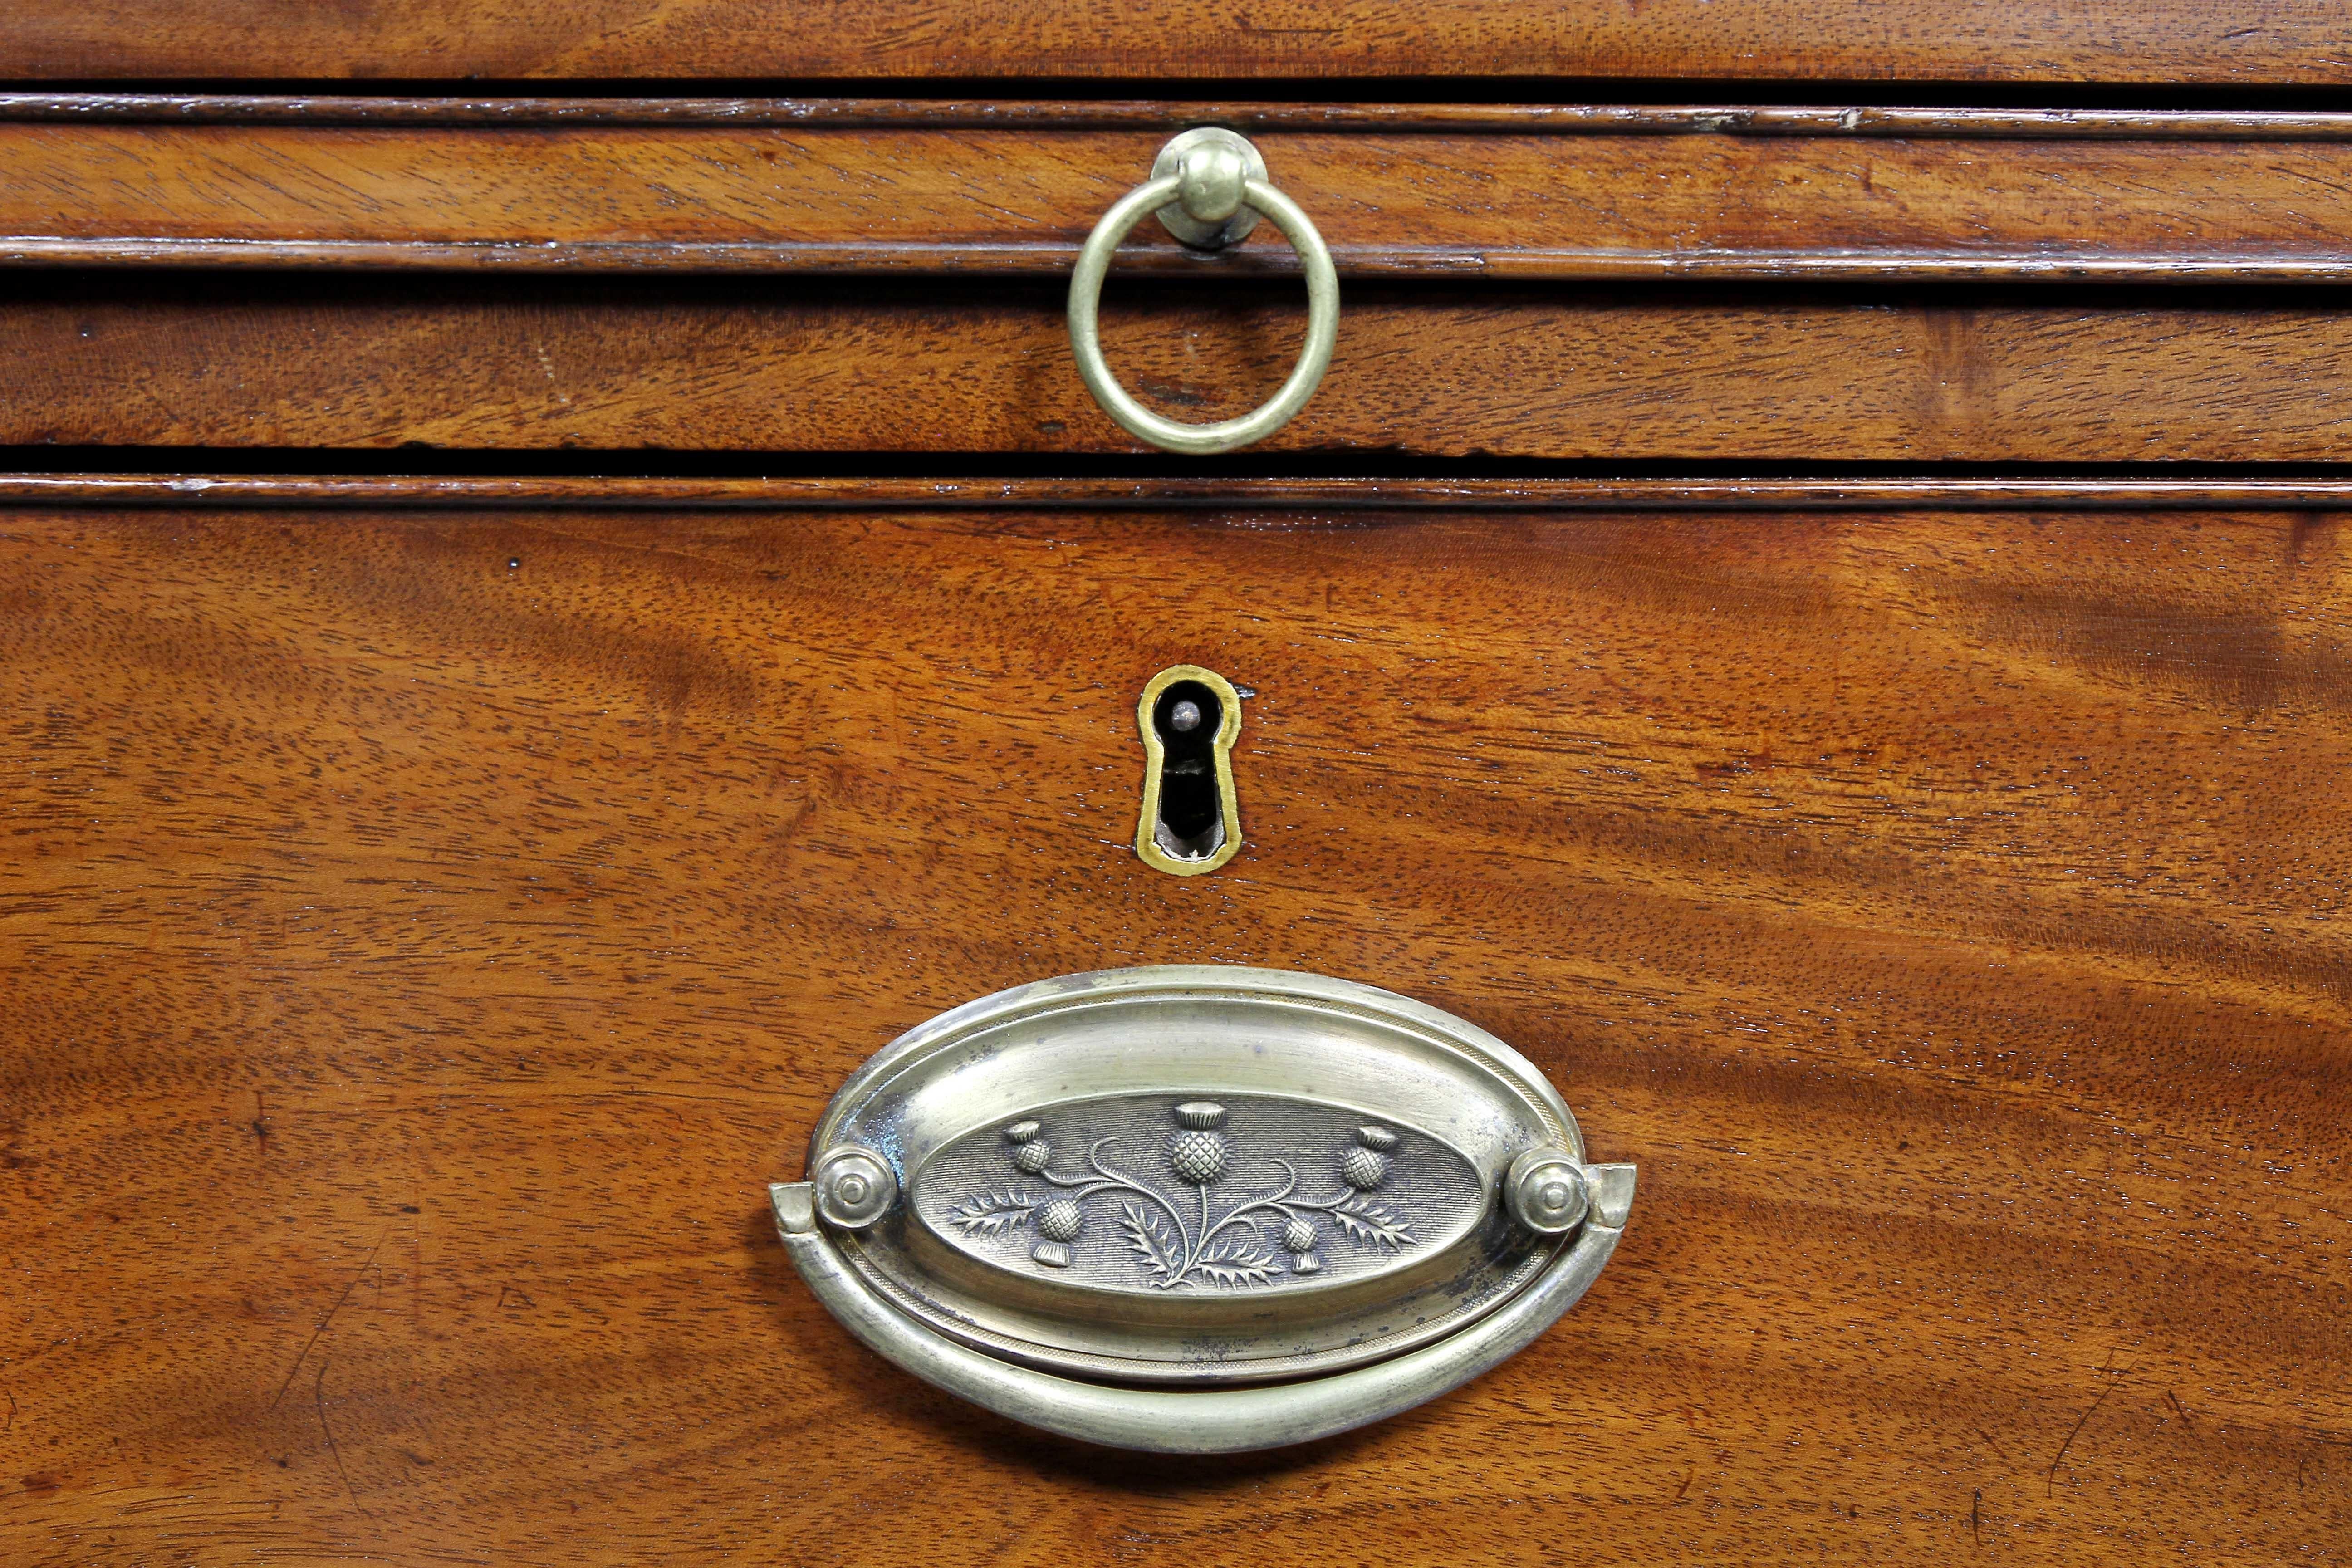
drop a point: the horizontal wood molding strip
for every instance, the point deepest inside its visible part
(2163, 42)
(1532, 373)
(695, 257)
(830, 199)
(1371, 493)
(1168, 115)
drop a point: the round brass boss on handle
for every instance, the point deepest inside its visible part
(1210, 184)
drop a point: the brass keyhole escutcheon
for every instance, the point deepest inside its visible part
(1190, 718)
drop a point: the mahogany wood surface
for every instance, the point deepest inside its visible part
(427, 930)
(2032, 41)
(1570, 373)
(826, 197)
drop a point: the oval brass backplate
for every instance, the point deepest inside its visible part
(1190, 717)
(1199, 1208)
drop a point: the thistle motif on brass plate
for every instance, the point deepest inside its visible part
(1169, 1242)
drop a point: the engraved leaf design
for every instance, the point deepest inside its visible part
(1147, 1236)
(1368, 1222)
(1237, 1262)
(1162, 1242)
(994, 1213)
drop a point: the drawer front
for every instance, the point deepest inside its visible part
(1573, 192)
(429, 924)
(1768, 375)
(853, 277)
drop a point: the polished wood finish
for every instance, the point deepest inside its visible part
(828, 198)
(428, 930)
(2035, 41)
(1633, 376)
(436, 904)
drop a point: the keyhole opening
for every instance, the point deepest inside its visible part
(1192, 822)
(1190, 718)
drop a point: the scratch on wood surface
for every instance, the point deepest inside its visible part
(359, 1274)
(319, 1402)
(2051, 1481)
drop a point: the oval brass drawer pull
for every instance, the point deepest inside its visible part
(1209, 182)
(1198, 1209)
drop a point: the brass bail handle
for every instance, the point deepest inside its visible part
(1209, 187)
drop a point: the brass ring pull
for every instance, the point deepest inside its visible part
(1212, 182)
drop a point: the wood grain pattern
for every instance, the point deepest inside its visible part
(2154, 41)
(872, 368)
(826, 198)
(427, 930)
